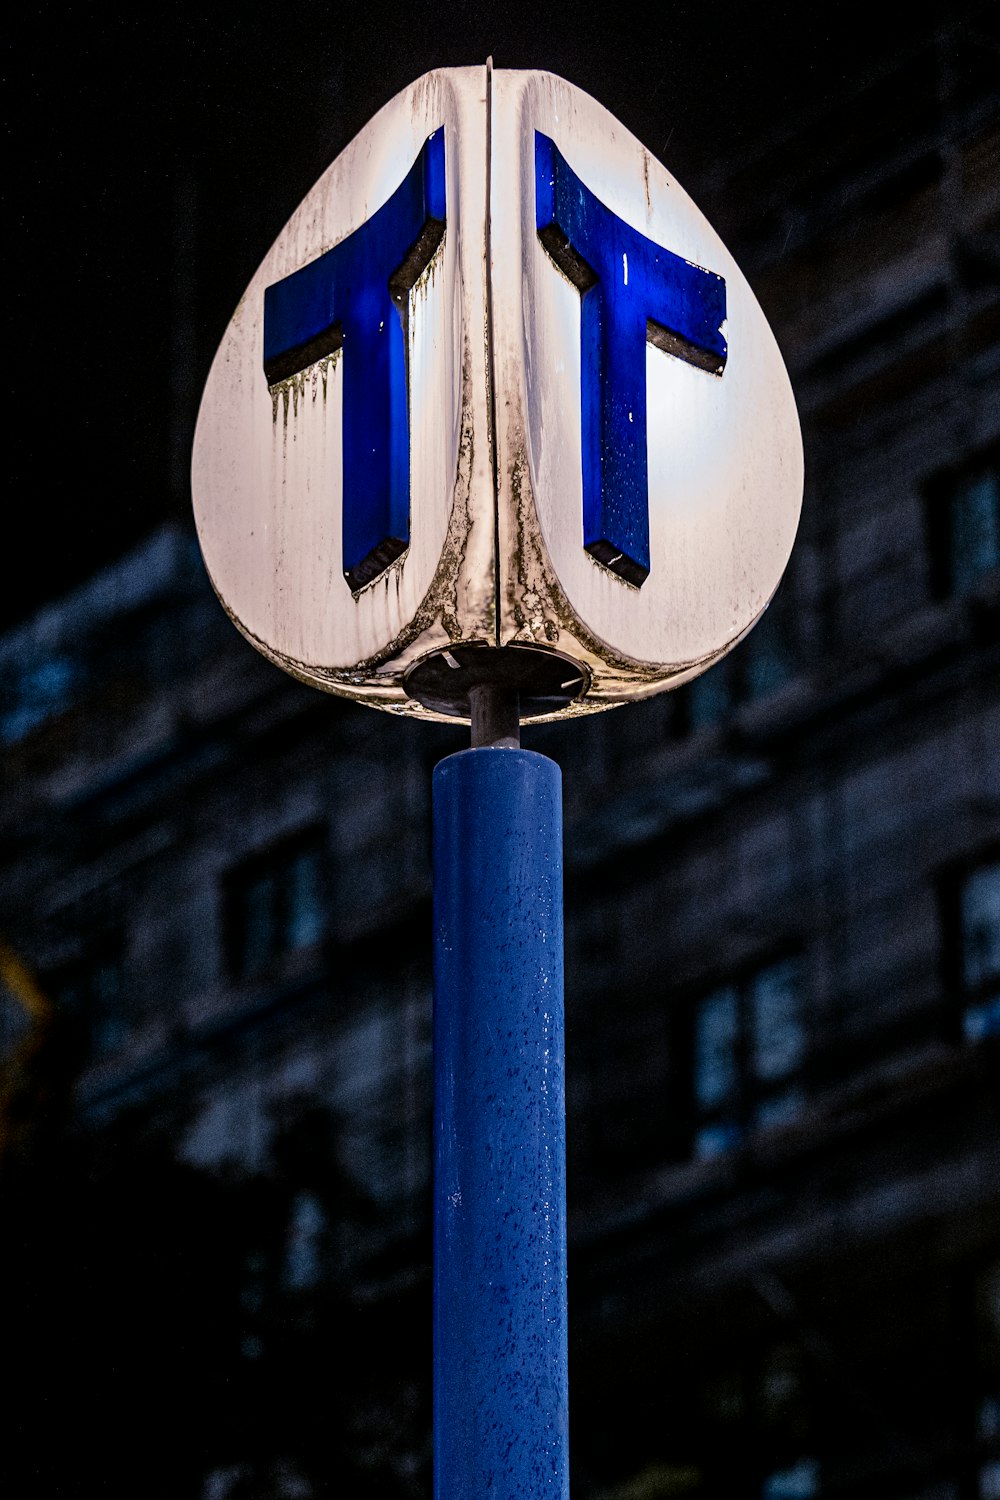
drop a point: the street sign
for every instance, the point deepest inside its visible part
(498, 432)
(497, 384)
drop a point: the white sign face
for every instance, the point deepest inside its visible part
(584, 324)
(679, 393)
(342, 478)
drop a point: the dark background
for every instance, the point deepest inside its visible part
(154, 156)
(805, 1313)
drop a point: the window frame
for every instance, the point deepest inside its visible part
(943, 492)
(732, 680)
(739, 1111)
(102, 1026)
(274, 865)
(962, 997)
(981, 1440)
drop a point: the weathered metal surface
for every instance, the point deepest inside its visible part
(614, 482)
(723, 452)
(500, 1371)
(268, 472)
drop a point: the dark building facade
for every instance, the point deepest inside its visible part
(783, 957)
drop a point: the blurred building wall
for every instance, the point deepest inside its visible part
(783, 957)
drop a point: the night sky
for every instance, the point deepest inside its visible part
(155, 156)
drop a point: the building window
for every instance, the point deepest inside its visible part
(35, 692)
(766, 657)
(275, 904)
(973, 529)
(989, 1472)
(979, 939)
(92, 991)
(800, 1482)
(749, 1045)
(965, 526)
(758, 666)
(305, 1250)
(759, 1425)
(710, 697)
(988, 1403)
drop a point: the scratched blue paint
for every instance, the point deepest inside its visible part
(354, 297)
(631, 291)
(500, 1379)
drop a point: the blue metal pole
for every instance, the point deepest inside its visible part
(500, 1380)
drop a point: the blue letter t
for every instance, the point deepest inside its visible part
(632, 291)
(356, 296)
